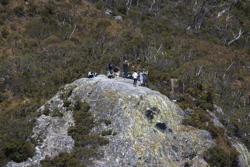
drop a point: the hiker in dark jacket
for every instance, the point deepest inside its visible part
(110, 68)
(125, 68)
(109, 75)
(145, 78)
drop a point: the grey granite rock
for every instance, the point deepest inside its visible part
(147, 127)
(139, 142)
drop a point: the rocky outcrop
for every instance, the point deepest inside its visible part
(50, 134)
(244, 156)
(146, 126)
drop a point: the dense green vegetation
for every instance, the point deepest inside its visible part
(196, 104)
(15, 129)
(46, 44)
(86, 143)
(217, 157)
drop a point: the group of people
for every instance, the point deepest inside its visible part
(92, 74)
(114, 71)
(140, 78)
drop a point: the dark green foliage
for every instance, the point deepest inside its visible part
(219, 157)
(107, 122)
(122, 9)
(41, 29)
(19, 11)
(2, 97)
(100, 5)
(102, 26)
(46, 111)
(204, 99)
(32, 10)
(66, 93)
(56, 113)
(79, 105)
(15, 129)
(197, 119)
(187, 164)
(62, 160)
(238, 127)
(66, 103)
(215, 156)
(17, 150)
(107, 132)
(4, 2)
(4, 33)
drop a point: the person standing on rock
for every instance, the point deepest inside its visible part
(135, 77)
(125, 68)
(145, 78)
(110, 68)
(141, 78)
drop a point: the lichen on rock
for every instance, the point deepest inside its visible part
(143, 138)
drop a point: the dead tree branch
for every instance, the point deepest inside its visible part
(236, 37)
(72, 32)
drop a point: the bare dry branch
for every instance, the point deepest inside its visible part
(236, 37)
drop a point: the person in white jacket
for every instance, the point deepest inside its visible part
(135, 77)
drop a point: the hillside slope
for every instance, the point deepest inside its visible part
(202, 45)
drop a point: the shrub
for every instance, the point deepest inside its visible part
(2, 97)
(193, 92)
(19, 11)
(106, 132)
(206, 106)
(18, 150)
(4, 33)
(100, 5)
(63, 159)
(122, 9)
(66, 93)
(66, 103)
(218, 157)
(197, 119)
(4, 2)
(215, 130)
(46, 111)
(56, 113)
(32, 10)
(40, 30)
(107, 122)
(81, 106)
(3, 158)
(103, 25)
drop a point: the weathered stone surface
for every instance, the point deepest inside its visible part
(146, 126)
(119, 18)
(50, 134)
(138, 140)
(244, 156)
